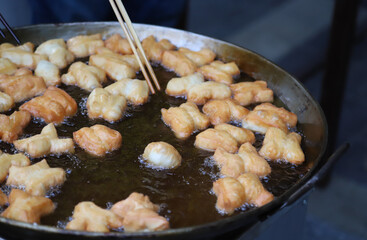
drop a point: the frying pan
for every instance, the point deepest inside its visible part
(290, 91)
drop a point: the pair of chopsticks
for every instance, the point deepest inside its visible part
(130, 35)
(6, 25)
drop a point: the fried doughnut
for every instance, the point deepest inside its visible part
(6, 102)
(49, 72)
(255, 192)
(200, 58)
(230, 194)
(220, 72)
(211, 139)
(118, 44)
(223, 111)
(178, 62)
(85, 45)
(85, 76)
(45, 143)
(162, 154)
(247, 93)
(27, 208)
(280, 145)
(180, 86)
(134, 90)
(154, 50)
(37, 178)
(12, 126)
(253, 162)
(98, 139)
(57, 52)
(8, 160)
(7, 66)
(240, 134)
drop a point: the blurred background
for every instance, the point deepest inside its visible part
(294, 34)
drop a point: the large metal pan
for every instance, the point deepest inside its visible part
(290, 91)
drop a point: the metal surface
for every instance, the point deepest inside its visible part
(291, 92)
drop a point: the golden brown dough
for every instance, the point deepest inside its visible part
(98, 139)
(22, 85)
(22, 55)
(181, 86)
(223, 111)
(3, 199)
(231, 165)
(45, 143)
(116, 66)
(200, 58)
(247, 93)
(139, 214)
(219, 71)
(230, 194)
(211, 139)
(185, 119)
(6, 102)
(154, 50)
(102, 104)
(253, 162)
(49, 72)
(8, 160)
(162, 154)
(85, 45)
(12, 126)
(27, 208)
(134, 90)
(201, 93)
(53, 106)
(89, 217)
(178, 62)
(7, 66)
(267, 115)
(254, 190)
(118, 44)
(240, 134)
(37, 178)
(57, 52)
(85, 76)
(279, 145)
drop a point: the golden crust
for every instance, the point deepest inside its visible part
(89, 217)
(181, 86)
(102, 104)
(254, 190)
(231, 165)
(220, 72)
(139, 214)
(118, 44)
(53, 106)
(223, 111)
(201, 93)
(12, 126)
(253, 162)
(22, 55)
(45, 143)
(6, 102)
(154, 50)
(240, 134)
(211, 139)
(230, 194)
(247, 93)
(22, 85)
(200, 58)
(57, 52)
(98, 139)
(85, 45)
(49, 72)
(279, 145)
(85, 76)
(267, 115)
(134, 90)
(27, 208)
(37, 178)
(8, 160)
(162, 154)
(185, 119)
(116, 66)
(178, 62)
(7, 66)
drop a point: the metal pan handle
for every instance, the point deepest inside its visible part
(319, 174)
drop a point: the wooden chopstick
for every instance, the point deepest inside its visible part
(2, 19)
(137, 41)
